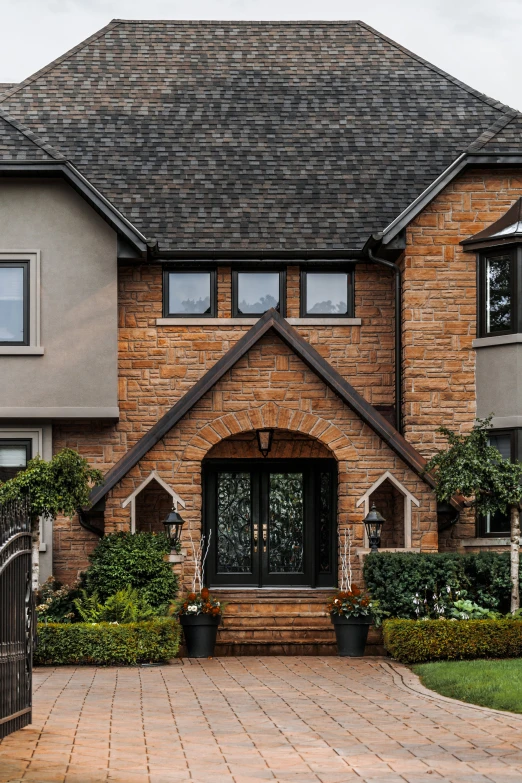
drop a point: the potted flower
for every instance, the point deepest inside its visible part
(350, 613)
(199, 615)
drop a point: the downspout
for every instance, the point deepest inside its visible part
(398, 334)
(83, 518)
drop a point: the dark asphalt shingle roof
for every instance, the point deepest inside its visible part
(254, 135)
(16, 143)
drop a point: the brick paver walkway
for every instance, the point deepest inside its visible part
(240, 720)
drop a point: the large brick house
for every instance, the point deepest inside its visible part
(212, 229)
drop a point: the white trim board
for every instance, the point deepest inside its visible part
(408, 500)
(153, 476)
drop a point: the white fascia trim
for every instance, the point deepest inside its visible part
(59, 413)
(501, 339)
(251, 321)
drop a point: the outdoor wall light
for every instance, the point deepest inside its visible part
(173, 524)
(264, 441)
(373, 523)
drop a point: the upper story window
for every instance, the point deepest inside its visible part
(189, 293)
(509, 444)
(253, 293)
(498, 277)
(15, 453)
(328, 293)
(14, 303)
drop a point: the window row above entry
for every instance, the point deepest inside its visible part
(194, 293)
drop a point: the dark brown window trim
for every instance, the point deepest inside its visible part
(515, 254)
(25, 266)
(236, 313)
(350, 293)
(213, 291)
(516, 454)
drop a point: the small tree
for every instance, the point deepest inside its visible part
(60, 486)
(473, 469)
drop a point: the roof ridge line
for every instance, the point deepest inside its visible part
(59, 60)
(503, 107)
(36, 140)
(490, 133)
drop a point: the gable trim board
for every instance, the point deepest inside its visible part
(308, 354)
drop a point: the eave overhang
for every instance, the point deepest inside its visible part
(52, 168)
(467, 159)
(507, 230)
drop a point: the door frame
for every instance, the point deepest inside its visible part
(312, 469)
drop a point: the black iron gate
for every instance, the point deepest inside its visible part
(16, 617)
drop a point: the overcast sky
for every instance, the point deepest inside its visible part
(478, 41)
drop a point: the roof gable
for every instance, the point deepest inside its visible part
(253, 135)
(308, 354)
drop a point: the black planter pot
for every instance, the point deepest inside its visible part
(351, 634)
(200, 633)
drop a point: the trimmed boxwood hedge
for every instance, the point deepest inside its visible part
(416, 641)
(103, 643)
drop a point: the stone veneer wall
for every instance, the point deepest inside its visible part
(439, 312)
(270, 386)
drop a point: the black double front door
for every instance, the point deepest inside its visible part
(271, 523)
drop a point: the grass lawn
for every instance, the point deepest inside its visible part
(496, 684)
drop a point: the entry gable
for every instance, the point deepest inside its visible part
(342, 388)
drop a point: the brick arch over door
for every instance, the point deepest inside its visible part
(273, 416)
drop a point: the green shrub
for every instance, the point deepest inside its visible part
(412, 585)
(55, 602)
(104, 643)
(125, 606)
(416, 641)
(132, 560)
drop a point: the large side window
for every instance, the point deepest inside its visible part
(327, 293)
(498, 293)
(253, 293)
(14, 303)
(508, 443)
(15, 453)
(189, 293)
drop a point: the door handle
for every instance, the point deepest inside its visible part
(265, 532)
(255, 538)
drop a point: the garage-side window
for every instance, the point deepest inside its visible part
(14, 303)
(15, 453)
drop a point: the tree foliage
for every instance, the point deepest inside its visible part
(59, 486)
(470, 467)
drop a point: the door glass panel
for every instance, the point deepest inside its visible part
(325, 489)
(234, 516)
(285, 523)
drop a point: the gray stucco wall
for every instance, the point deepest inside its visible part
(499, 383)
(78, 251)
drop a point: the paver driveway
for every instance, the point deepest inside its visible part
(252, 719)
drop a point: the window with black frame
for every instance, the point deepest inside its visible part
(14, 303)
(498, 273)
(509, 444)
(189, 293)
(327, 293)
(253, 293)
(15, 453)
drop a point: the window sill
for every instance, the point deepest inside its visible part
(250, 321)
(21, 350)
(500, 541)
(501, 339)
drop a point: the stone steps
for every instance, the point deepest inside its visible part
(279, 622)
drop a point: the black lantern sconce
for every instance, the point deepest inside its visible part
(373, 523)
(264, 441)
(173, 525)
